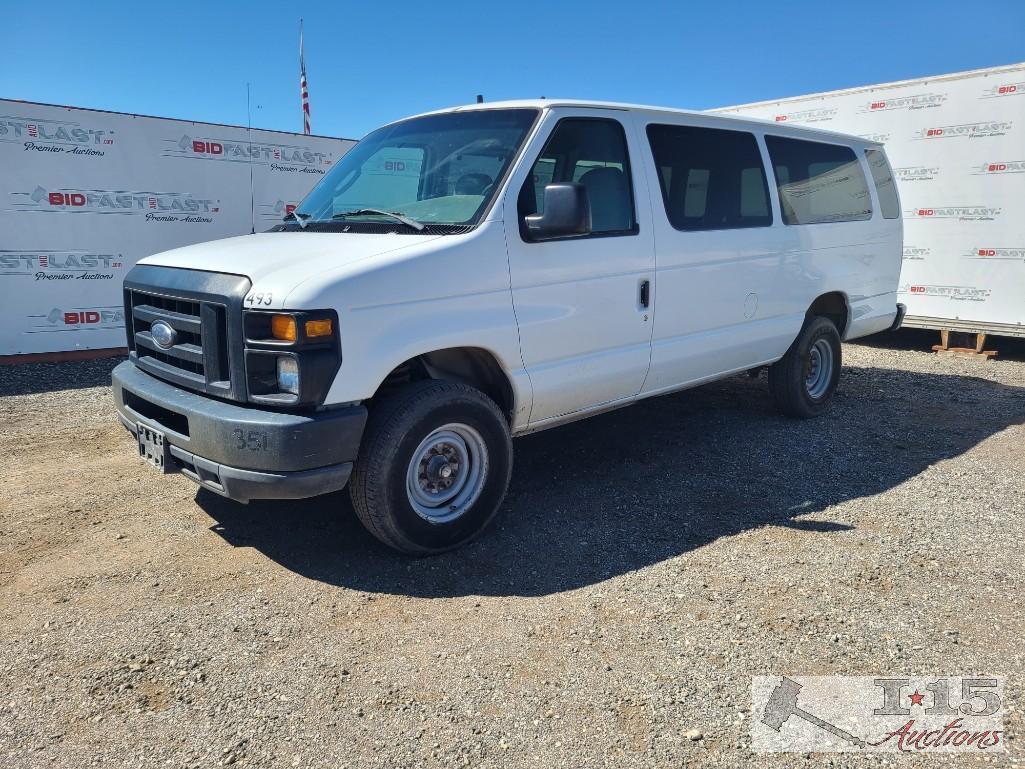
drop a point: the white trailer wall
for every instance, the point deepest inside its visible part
(957, 147)
(85, 194)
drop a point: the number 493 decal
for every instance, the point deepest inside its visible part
(261, 298)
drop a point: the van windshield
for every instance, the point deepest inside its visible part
(433, 170)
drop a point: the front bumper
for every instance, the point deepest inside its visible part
(240, 452)
(898, 321)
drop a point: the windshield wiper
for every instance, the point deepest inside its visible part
(418, 226)
(300, 218)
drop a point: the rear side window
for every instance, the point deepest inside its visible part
(591, 152)
(818, 182)
(711, 179)
(886, 188)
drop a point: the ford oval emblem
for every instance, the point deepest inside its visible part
(163, 335)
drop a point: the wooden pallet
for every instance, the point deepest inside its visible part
(944, 348)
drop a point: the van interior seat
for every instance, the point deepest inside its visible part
(677, 200)
(609, 196)
(701, 204)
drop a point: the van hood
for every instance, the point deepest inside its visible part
(285, 259)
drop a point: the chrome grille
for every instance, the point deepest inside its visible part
(207, 348)
(184, 317)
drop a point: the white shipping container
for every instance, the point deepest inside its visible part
(85, 194)
(957, 147)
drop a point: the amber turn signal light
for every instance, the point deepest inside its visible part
(315, 328)
(283, 327)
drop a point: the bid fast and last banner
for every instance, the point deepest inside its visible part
(86, 194)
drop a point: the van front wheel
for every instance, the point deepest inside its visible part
(433, 467)
(803, 381)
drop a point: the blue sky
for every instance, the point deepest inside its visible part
(370, 62)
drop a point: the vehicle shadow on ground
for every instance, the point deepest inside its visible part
(617, 492)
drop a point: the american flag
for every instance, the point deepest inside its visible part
(302, 83)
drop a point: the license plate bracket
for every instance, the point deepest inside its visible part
(153, 448)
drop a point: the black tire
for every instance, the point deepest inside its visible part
(395, 430)
(789, 376)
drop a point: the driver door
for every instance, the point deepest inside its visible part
(584, 304)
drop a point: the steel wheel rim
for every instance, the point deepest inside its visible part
(819, 368)
(446, 473)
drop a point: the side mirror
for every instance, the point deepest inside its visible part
(567, 213)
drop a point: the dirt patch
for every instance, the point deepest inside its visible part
(646, 564)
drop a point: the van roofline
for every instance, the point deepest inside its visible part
(732, 120)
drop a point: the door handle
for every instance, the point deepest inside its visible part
(645, 293)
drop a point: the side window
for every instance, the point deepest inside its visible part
(591, 152)
(886, 188)
(818, 182)
(695, 196)
(754, 194)
(541, 176)
(711, 179)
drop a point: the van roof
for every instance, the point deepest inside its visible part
(732, 120)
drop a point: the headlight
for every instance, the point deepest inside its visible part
(288, 375)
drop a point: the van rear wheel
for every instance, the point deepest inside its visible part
(433, 467)
(803, 381)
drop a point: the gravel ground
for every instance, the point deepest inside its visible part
(646, 564)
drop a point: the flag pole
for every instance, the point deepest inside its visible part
(249, 141)
(303, 85)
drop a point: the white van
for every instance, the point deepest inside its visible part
(478, 273)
